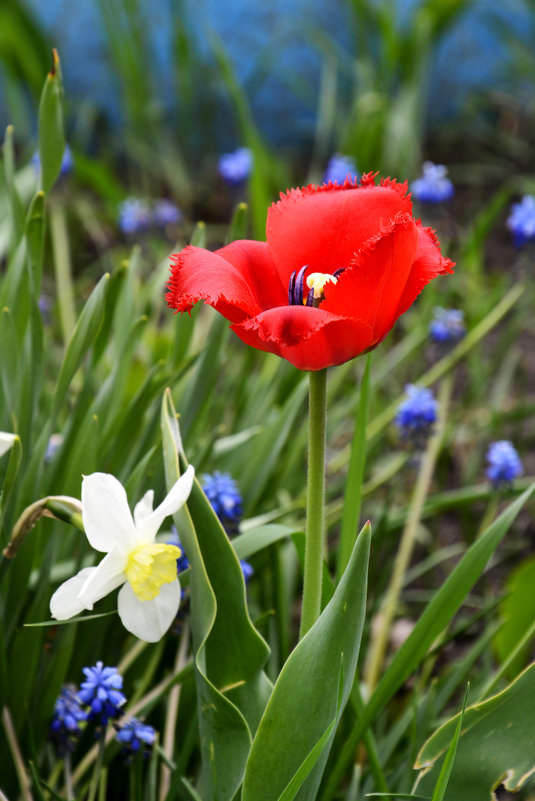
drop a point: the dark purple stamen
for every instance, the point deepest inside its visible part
(310, 297)
(291, 289)
(295, 287)
(338, 272)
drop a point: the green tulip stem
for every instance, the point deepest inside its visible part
(315, 514)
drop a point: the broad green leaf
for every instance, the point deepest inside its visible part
(82, 338)
(51, 133)
(497, 743)
(518, 613)
(305, 700)
(436, 616)
(229, 653)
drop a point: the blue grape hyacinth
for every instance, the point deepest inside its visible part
(433, 186)
(340, 167)
(504, 463)
(236, 167)
(417, 415)
(165, 213)
(135, 736)
(224, 496)
(65, 728)
(102, 692)
(521, 221)
(134, 216)
(447, 326)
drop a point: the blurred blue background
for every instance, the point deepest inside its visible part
(277, 49)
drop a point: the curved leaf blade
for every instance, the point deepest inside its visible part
(305, 699)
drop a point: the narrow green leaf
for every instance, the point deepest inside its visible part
(447, 766)
(51, 133)
(10, 361)
(82, 338)
(305, 699)
(16, 211)
(238, 224)
(355, 474)
(35, 236)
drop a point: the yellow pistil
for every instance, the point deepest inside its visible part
(150, 566)
(317, 281)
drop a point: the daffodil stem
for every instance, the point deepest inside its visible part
(315, 514)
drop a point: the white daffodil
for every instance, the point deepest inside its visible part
(150, 594)
(6, 441)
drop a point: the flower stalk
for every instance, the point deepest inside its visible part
(408, 538)
(315, 515)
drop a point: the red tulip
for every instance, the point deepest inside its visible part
(372, 257)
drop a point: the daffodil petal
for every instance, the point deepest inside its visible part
(147, 527)
(143, 508)
(6, 441)
(106, 515)
(107, 576)
(149, 620)
(65, 602)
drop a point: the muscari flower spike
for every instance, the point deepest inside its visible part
(135, 736)
(236, 167)
(521, 221)
(433, 186)
(68, 715)
(339, 168)
(416, 415)
(101, 691)
(135, 216)
(165, 213)
(144, 568)
(504, 463)
(447, 326)
(247, 570)
(225, 499)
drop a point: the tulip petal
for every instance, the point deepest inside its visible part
(65, 602)
(428, 264)
(105, 513)
(149, 620)
(106, 577)
(324, 226)
(177, 496)
(309, 338)
(371, 288)
(239, 280)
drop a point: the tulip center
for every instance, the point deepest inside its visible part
(150, 566)
(316, 284)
